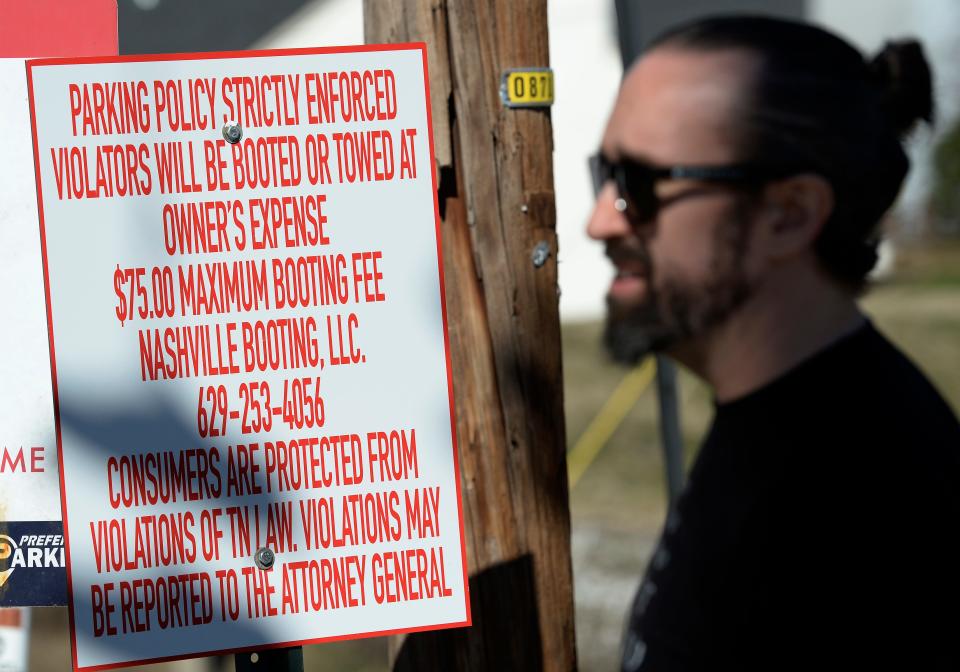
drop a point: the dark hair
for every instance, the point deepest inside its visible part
(819, 105)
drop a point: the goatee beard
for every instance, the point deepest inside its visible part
(676, 310)
(631, 334)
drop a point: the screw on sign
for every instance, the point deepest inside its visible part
(232, 132)
(264, 558)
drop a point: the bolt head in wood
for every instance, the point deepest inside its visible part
(540, 254)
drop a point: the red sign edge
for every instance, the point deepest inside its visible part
(53, 358)
(446, 335)
(136, 58)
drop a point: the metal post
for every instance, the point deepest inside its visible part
(495, 197)
(271, 660)
(670, 434)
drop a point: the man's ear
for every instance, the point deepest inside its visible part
(795, 209)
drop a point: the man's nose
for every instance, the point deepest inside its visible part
(606, 221)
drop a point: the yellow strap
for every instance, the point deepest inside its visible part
(614, 410)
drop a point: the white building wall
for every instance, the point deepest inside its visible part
(586, 61)
(585, 57)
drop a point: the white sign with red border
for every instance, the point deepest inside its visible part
(249, 350)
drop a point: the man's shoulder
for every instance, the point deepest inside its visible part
(885, 391)
(861, 418)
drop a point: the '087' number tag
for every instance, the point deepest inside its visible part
(527, 87)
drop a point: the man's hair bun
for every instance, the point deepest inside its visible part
(902, 71)
(818, 105)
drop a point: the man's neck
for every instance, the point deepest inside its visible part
(779, 327)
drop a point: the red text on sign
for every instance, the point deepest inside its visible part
(14, 460)
(370, 95)
(116, 170)
(110, 107)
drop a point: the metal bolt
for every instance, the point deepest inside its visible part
(524, 209)
(540, 254)
(232, 132)
(264, 558)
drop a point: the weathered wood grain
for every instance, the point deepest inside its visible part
(496, 190)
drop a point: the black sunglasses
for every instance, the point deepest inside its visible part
(636, 181)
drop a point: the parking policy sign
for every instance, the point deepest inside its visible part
(248, 348)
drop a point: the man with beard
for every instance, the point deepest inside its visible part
(742, 176)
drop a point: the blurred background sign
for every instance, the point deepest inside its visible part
(31, 549)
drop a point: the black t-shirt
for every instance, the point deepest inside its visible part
(820, 528)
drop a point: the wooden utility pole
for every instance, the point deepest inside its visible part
(495, 177)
